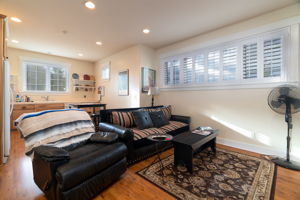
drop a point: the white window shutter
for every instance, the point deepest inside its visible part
(167, 73)
(176, 72)
(199, 68)
(213, 66)
(187, 70)
(250, 60)
(229, 63)
(272, 57)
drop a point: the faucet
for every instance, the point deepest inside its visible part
(46, 98)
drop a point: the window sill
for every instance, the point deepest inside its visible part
(228, 86)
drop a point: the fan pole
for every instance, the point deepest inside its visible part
(288, 119)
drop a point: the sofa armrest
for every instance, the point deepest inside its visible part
(125, 134)
(44, 171)
(184, 119)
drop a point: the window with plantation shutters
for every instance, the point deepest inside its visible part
(253, 60)
(272, 57)
(213, 66)
(250, 61)
(229, 63)
(199, 68)
(187, 70)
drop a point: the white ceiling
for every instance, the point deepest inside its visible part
(119, 23)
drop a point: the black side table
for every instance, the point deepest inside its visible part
(158, 139)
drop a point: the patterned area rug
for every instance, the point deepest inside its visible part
(226, 175)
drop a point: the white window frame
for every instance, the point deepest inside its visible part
(258, 82)
(105, 66)
(65, 66)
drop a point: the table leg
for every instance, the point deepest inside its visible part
(183, 154)
(213, 146)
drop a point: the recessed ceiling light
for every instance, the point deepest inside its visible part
(146, 31)
(90, 5)
(99, 43)
(80, 54)
(15, 41)
(15, 19)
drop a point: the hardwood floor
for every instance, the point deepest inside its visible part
(16, 180)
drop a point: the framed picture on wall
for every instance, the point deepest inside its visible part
(105, 71)
(123, 83)
(148, 79)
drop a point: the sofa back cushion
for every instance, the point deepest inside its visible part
(158, 119)
(167, 110)
(142, 119)
(124, 119)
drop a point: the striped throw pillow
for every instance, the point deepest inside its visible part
(124, 119)
(167, 110)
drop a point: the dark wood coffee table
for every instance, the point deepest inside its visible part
(187, 143)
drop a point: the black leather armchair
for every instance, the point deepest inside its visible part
(89, 169)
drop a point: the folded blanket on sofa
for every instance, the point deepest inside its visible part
(59, 128)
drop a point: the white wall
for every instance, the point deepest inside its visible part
(126, 59)
(242, 115)
(133, 58)
(76, 66)
(147, 59)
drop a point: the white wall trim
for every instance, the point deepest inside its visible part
(224, 86)
(249, 147)
(252, 147)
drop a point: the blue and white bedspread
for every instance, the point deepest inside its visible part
(59, 128)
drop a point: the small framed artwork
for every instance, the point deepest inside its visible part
(123, 83)
(105, 71)
(148, 79)
(101, 91)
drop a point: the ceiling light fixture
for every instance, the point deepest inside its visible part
(90, 5)
(146, 31)
(99, 43)
(15, 41)
(80, 54)
(15, 19)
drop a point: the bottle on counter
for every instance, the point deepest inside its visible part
(18, 98)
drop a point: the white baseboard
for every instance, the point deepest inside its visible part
(254, 148)
(250, 147)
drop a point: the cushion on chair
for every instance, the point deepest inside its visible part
(140, 134)
(124, 119)
(173, 126)
(158, 119)
(142, 119)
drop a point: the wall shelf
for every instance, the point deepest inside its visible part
(86, 85)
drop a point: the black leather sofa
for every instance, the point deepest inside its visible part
(143, 148)
(89, 169)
